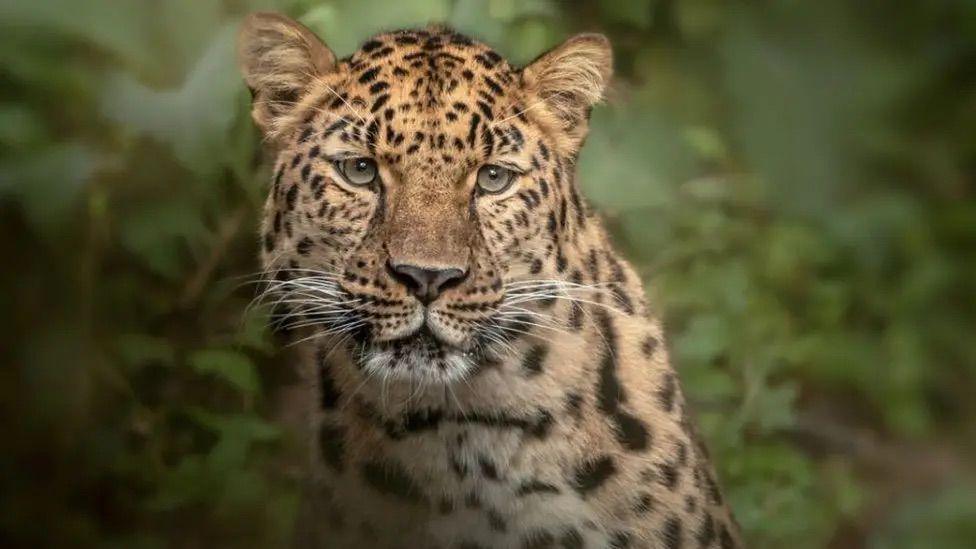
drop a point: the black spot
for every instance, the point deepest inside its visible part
(536, 487)
(304, 246)
(574, 405)
(542, 425)
(391, 479)
(649, 346)
(536, 267)
(725, 539)
(539, 539)
(473, 129)
(609, 391)
(576, 316)
(706, 532)
(493, 85)
(327, 390)
(571, 539)
(644, 504)
(460, 469)
(371, 45)
(488, 468)
(561, 262)
(336, 126)
(668, 475)
(369, 75)
(590, 475)
(486, 110)
(682, 452)
(666, 392)
(631, 432)
(714, 494)
(534, 359)
(415, 421)
(291, 197)
(331, 445)
(496, 521)
(620, 540)
(372, 133)
(671, 533)
(380, 101)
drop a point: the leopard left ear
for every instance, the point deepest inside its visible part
(571, 78)
(279, 58)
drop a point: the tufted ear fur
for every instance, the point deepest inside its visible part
(571, 78)
(279, 59)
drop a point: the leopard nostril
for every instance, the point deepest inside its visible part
(426, 283)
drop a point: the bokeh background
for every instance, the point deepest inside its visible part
(794, 179)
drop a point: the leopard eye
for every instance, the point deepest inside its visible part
(494, 179)
(358, 171)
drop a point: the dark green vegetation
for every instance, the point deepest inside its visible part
(794, 179)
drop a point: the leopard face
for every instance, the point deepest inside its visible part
(422, 197)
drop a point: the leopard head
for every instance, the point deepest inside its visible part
(423, 190)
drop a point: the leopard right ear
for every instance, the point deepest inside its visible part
(279, 58)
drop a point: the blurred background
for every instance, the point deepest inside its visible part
(794, 179)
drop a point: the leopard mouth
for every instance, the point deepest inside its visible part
(426, 342)
(422, 355)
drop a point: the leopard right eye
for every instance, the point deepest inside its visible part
(358, 171)
(494, 179)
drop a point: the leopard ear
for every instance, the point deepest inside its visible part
(279, 59)
(571, 78)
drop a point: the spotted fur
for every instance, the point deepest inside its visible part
(532, 403)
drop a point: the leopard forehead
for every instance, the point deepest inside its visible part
(428, 96)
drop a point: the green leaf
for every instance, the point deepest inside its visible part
(629, 12)
(117, 27)
(49, 181)
(233, 367)
(343, 25)
(194, 119)
(161, 233)
(139, 349)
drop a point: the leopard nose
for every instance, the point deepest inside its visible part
(424, 282)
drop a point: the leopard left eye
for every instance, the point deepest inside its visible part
(494, 179)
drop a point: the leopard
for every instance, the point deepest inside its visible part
(481, 368)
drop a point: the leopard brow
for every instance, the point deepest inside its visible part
(513, 165)
(346, 153)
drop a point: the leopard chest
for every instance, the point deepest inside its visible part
(490, 481)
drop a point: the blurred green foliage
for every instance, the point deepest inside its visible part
(794, 179)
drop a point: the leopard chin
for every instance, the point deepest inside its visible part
(421, 357)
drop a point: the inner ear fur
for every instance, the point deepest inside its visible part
(279, 59)
(570, 78)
